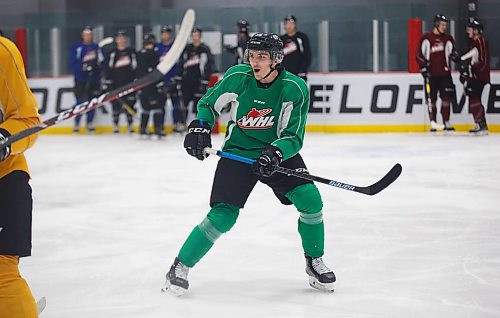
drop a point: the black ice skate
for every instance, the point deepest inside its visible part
(448, 127)
(177, 282)
(320, 276)
(480, 129)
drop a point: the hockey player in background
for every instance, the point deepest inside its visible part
(268, 107)
(475, 74)
(18, 111)
(86, 61)
(434, 55)
(297, 49)
(170, 81)
(151, 97)
(238, 51)
(121, 68)
(197, 66)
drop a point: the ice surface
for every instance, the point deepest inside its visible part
(111, 213)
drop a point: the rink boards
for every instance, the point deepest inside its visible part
(340, 102)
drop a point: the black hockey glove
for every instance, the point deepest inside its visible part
(269, 159)
(161, 88)
(198, 138)
(202, 89)
(465, 72)
(4, 152)
(455, 57)
(106, 85)
(88, 67)
(424, 70)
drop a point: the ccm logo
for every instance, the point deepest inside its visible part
(199, 130)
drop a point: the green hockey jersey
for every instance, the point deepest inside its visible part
(260, 114)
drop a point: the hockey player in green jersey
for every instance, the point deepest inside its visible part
(268, 108)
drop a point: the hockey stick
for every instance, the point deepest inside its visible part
(162, 68)
(427, 89)
(105, 42)
(375, 188)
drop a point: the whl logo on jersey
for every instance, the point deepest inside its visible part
(256, 119)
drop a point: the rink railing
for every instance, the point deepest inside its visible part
(339, 103)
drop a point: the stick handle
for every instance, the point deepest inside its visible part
(223, 154)
(375, 188)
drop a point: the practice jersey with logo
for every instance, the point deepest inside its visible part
(260, 114)
(122, 65)
(297, 53)
(480, 59)
(434, 51)
(197, 63)
(86, 54)
(162, 50)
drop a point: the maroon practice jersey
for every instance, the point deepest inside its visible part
(434, 51)
(479, 55)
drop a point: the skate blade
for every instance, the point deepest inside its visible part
(324, 287)
(173, 289)
(480, 133)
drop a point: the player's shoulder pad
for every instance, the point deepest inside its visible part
(427, 34)
(204, 46)
(243, 69)
(301, 34)
(7, 48)
(293, 82)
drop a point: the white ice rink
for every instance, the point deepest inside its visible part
(111, 212)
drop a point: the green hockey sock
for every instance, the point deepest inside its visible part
(219, 220)
(307, 200)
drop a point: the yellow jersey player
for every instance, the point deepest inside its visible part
(18, 111)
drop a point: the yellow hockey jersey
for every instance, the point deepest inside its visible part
(18, 106)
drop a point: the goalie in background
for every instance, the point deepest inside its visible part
(18, 111)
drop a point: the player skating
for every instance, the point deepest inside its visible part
(297, 49)
(86, 61)
(434, 56)
(268, 107)
(475, 72)
(18, 111)
(121, 70)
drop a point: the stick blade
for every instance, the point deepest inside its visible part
(383, 183)
(179, 44)
(40, 305)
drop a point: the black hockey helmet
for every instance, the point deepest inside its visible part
(291, 18)
(197, 29)
(87, 28)
(475, 24)
(243, 25)
(438, 18)
(121, 32)
(166, 28)
(268, 42)
(149, 38)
